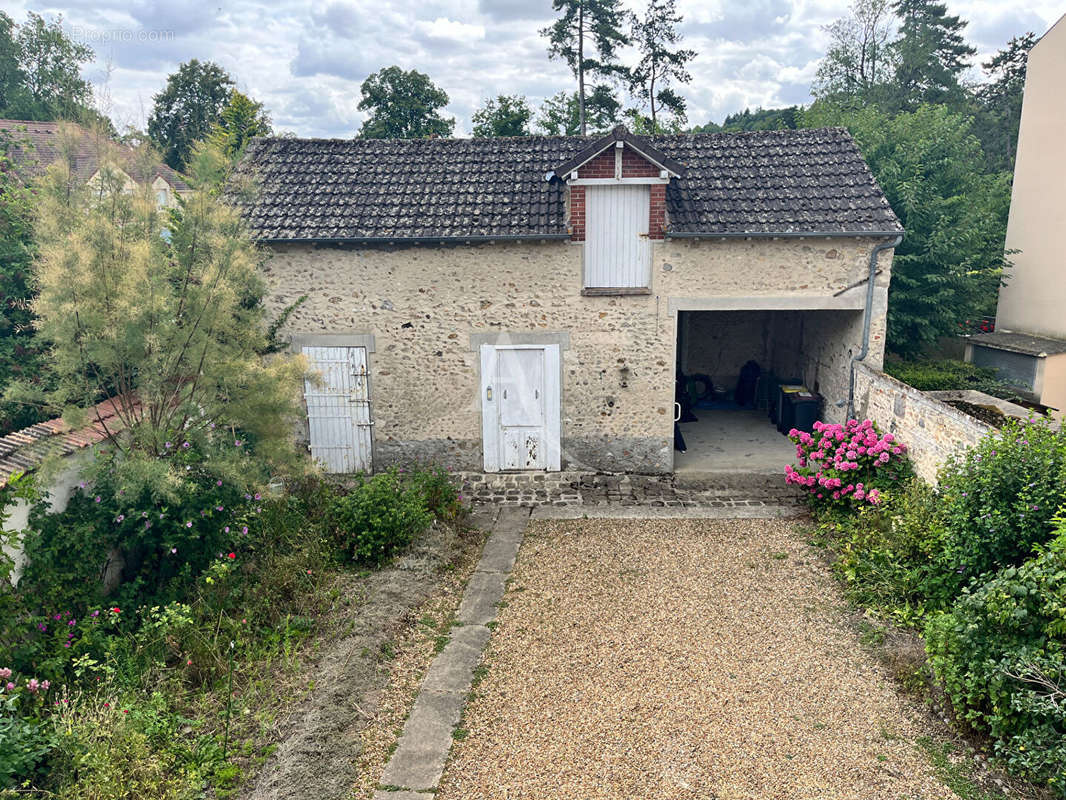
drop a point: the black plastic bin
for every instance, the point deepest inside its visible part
(782, 418)
(773, 394)
(803, 410)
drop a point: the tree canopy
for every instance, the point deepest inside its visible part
(20, 351)
(40, 71)
(930, 54)
(241, 121)
(158, 311)
(505, 115)
(933, 171)
(560, 114)
(403, 105)
(187, 108)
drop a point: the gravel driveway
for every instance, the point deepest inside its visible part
(681, 659)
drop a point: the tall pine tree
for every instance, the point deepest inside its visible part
(1000, 101)
(661, 60)
(587, 36)
(930, 54)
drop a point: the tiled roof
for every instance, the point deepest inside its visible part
(766, 182)
(27, 449)
(37, 146)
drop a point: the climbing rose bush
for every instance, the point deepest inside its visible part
(849, 465)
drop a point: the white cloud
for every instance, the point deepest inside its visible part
(443, 28)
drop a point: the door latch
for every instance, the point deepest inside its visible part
(488, 394)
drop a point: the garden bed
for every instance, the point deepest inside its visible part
(322, 738)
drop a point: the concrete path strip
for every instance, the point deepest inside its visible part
(418, 762)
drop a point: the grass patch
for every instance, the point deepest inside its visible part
(957, 773)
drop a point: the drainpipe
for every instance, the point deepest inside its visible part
(867, 318)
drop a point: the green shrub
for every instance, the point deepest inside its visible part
(997, 501)
(1001, 654)
(884, 553)
(378, 517)
(440, 496)
(945, 374)
(159, 540)
(24, 743)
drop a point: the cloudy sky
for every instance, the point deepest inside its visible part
(306, 60)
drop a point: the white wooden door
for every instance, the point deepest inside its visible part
(617, 247)
(338, 408)
(520, 407)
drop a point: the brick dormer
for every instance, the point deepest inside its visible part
(616, 191)
(618, 159)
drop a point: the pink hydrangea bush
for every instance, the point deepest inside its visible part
(849, 465)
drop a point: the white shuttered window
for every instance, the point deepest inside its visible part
(617, 248)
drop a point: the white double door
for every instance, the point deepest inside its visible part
(520, 407)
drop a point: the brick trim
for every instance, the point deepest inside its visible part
(634, 165)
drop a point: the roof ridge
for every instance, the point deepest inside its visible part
(549, 137)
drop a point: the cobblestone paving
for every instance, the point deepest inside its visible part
(591, 489)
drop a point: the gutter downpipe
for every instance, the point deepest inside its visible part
(867, 317)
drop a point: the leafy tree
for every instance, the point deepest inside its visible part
(932, 169)
(12, 80)
(403, 105)
(242, 120)
(184, 112)
(661, 61)
(506, 115)
(930, 54)
(20, 352)
(40, 71)
(560, 114)
(859, 59)
(161, 313)
(587, 36)
(1000, 101)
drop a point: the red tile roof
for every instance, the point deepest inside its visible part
(27, 449)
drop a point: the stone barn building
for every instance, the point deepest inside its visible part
(534, 303)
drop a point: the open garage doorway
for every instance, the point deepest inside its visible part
(730, 370)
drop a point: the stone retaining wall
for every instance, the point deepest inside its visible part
(932, 430)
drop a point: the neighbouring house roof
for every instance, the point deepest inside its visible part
(27, 449)
(1019, 343)
(37, 147)
(392, 190)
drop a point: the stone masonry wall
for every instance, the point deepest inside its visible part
(423, 304)
(932, 430)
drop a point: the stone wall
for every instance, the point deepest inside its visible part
(426, 305)
(933, 431)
